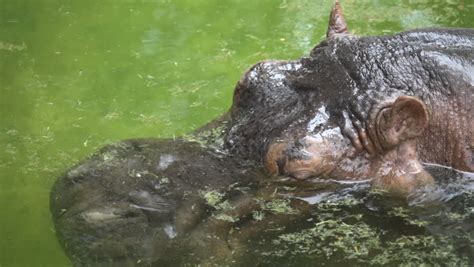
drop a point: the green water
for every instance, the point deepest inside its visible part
(75, 75)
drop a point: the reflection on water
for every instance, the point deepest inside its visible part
(450, 184)
(75, 75)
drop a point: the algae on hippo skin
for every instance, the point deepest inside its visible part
(212, 197)
(258, 215)
(215, 200)
(211, 138)
(278, 206)
(226, 217)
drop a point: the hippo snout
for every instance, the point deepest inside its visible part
(300, 159)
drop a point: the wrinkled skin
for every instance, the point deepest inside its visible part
(356, 108)
(362, 107)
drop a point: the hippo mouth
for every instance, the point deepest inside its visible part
(299, 160)
(303, 173)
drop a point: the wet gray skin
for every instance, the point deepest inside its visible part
(362, 107)
(131, 201)
(356, 108)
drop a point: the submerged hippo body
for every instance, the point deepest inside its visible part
(356, 108)
(131, 202)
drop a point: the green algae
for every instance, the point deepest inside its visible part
(226, 217)
(212, 197)
(342, 235)
(208, 138)
(220, 206)
(331, 237)
(278, 206)
(419, 251)
(258, 215)
(407, 216)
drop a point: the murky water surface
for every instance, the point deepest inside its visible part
(75, 75)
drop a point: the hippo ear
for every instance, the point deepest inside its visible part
(337, 22)
(405, 119)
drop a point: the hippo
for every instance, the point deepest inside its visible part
(356, 108)
(361, 107)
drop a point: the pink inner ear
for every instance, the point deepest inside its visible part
(405, 119)
(410, 116)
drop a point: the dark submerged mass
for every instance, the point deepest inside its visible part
(355, 108)
(129, 200)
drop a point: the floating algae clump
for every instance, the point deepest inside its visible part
(279, 206)
(212, 197)
(419, 251)
(225, 217)
(331, 237)
(258, 215)
(359, 244)
(216, 200)
(342, 232)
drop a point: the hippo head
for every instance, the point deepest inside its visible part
(350, 110)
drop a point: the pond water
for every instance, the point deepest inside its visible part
(75, 75)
